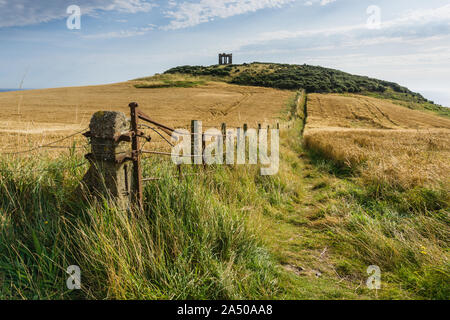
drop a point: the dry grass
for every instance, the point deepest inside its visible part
(34, 117)
(399, 146)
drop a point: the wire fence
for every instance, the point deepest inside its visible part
(49, 145)
(157, 128)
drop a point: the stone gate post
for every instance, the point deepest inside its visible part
(110, 172)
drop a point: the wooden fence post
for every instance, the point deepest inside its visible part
(224, 141)
(109, 175)
(224, 130)
(196, 142)
(192, 140)
(180, 174)
(203, 149)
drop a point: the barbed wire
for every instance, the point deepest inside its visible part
(51, 145)
(160, 134)
(235, 128)
(196, 134)
(47, 145)
(41, 170)
(177, 176)
(170, 154)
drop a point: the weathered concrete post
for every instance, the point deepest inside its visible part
(110, 172)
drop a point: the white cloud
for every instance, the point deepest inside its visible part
(121, 34)
(409, 24)
(325, 2)
(27, 12)
(321, 2)
(187, 14)
(414, 17)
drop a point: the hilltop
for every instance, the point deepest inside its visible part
(313, 79)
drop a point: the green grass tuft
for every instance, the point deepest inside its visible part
(186, 245)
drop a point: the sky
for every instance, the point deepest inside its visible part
(42, 45)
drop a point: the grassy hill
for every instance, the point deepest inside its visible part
(314, 79)
(227, 232)
(361, 182)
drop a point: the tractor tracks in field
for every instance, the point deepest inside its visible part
(236, 105)
(216, 113)
(385, 116)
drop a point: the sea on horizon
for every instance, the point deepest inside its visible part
(8, 90)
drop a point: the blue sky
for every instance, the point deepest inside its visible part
(125, 39)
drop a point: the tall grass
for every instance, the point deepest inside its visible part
(187, 244)
(387, 211)
(205, 236)
(407, 238)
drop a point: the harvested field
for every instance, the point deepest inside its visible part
(34, 117)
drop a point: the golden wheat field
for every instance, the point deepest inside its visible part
(35, 117)
(354, 111)
(396, 145)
